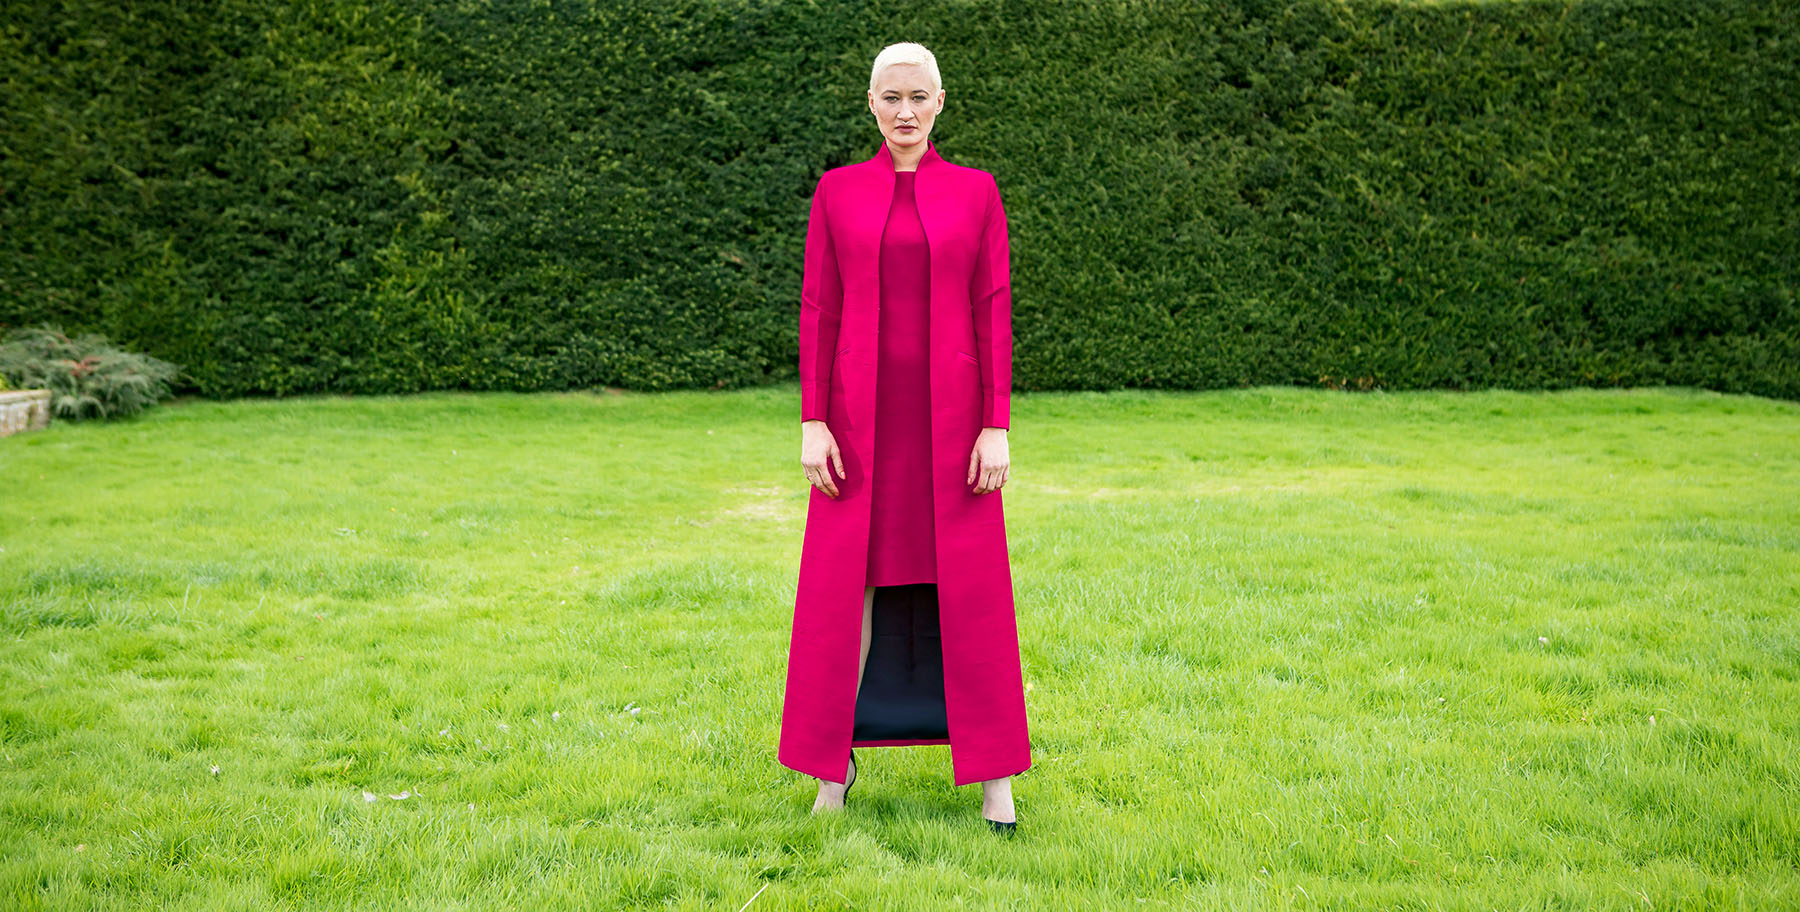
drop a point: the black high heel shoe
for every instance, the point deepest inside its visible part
(1003, 826)
(852, 780)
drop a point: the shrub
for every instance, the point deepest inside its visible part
(87, 376)
(399, 195)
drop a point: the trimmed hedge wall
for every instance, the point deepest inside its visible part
(404, 195)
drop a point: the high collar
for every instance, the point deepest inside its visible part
(930, 157)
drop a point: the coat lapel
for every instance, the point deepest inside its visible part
(929, 193)
(874, 197)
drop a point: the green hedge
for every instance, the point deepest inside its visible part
(395, 196)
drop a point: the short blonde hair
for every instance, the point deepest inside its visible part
(906, 52)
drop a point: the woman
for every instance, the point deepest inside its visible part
(905, 388)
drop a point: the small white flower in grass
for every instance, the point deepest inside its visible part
(215, 769)
(402, 796)
(445, 731)
(503, 726)
(555, 715)
(632, 707)
(1543, 639)
(1652, 718)
(368, 796)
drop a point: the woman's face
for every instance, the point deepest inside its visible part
(905, 104)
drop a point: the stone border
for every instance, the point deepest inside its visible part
(24, 410)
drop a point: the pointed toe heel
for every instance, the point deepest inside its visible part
(1003, 826)
(852, 780)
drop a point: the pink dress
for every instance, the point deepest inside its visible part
(902, 542)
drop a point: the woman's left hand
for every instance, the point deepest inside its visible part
(988, 460)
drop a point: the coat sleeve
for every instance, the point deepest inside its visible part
(990, 294)
(821, 304)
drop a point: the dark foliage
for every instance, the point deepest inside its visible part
(407, 195)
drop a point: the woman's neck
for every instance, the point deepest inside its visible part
(908, 160)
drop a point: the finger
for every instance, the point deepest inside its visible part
(837, 456)
(974, 459)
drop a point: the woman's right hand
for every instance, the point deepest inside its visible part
(818, 452)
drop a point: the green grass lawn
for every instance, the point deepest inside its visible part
(1284, 649)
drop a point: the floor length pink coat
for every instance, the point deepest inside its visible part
(970, 352)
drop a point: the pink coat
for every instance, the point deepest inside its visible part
(971, 384)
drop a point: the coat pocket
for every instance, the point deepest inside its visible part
(837, 407)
